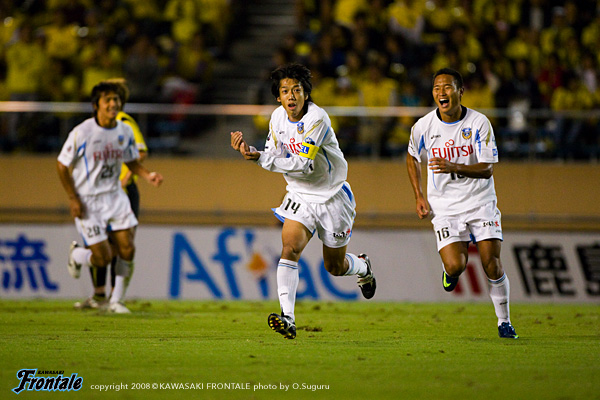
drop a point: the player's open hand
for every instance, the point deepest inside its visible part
(155, 179)
(441, 165)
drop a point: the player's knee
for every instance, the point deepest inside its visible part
(100, 260)
(127, 251)
(290, 252)
(454, 268)
(493, 268)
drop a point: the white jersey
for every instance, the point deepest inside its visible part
(96, 155)
(468, 141)
(307, 153)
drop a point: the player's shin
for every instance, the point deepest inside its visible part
(123, 270)
(287, 284)
(500, 293)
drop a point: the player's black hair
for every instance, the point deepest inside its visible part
(123, 89)
(104, 87)
(449, 71)
(291, 71)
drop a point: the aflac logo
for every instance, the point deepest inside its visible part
(29, 381)
(191, 264)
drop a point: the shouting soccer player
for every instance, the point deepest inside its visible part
(302, 145)
(461, 151)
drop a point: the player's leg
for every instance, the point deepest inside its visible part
(339, 263)
(93, 233)
(499, 285)
(121, 228)
(124, 265)
(295, 236)
(98, 277)
(133, 195)
(486, 227)
(453, 238)
(454, 261)
(98, 297)
(335, 220)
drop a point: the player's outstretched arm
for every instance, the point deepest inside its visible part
(153, 178)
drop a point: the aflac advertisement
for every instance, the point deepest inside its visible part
(240, 263)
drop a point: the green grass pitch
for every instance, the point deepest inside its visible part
(364, 350)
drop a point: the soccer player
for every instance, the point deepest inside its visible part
(461, 151)
(95, 151)
(303, 147)
(129, 184)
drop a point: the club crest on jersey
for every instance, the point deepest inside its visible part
(121, 139)
(466, 133)
(300, 127)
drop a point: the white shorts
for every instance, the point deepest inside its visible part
(104, 213)
(332, 220)
(481, 223)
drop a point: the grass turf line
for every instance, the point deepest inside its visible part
(357, 350)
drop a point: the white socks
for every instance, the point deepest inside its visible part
(356, 266)
(82, 256)
(287, 283)
(123, 271)
(499, 293)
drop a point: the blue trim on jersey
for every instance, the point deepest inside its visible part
(478, 140)
(130, 146)
(282, 219)
(278, 216)
(85, 161)
(327, 158)
(421, 144)
(348, 191)
(324, 136)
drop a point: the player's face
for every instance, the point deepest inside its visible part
(107, 109)
(447, 97)
(292, 98)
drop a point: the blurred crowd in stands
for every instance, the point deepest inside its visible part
(515, 55)
(57, 50)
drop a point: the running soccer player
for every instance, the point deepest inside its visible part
(303, 147)
(129, 183)
(461, 151)
(95, 150)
